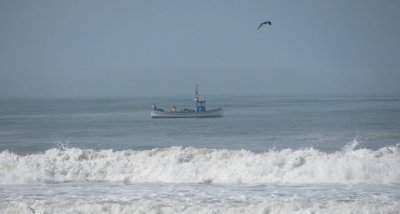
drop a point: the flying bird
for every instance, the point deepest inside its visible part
(264, 23)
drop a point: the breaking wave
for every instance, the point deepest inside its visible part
(199, 165)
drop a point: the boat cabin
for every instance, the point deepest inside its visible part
(200, 104)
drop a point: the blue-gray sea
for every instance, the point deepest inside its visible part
(268, 154)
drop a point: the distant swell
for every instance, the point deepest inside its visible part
(194, 165)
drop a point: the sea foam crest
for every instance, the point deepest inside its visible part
(199, 165)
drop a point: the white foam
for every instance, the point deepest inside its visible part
(194, 165)
(149, 206)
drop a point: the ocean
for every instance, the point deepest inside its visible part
(283, 154)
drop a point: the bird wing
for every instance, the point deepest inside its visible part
(260, 25)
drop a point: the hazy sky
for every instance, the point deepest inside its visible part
(149, 48)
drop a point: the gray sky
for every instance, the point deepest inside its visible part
(149, 48)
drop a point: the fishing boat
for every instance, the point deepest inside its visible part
(200, 110)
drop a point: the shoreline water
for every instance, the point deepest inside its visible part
(267, 155)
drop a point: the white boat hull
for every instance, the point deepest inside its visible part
(219, 112)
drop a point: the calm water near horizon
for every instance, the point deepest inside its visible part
(333, 154)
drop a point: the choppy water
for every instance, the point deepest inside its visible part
(266, 155)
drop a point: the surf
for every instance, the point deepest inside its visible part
(200, 165)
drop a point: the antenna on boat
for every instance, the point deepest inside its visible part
(197, 92)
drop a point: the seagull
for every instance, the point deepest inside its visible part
(264, 23)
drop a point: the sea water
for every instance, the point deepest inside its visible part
(286, 154)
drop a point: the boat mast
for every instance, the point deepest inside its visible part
(196, 93)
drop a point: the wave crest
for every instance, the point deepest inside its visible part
(198, 165)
